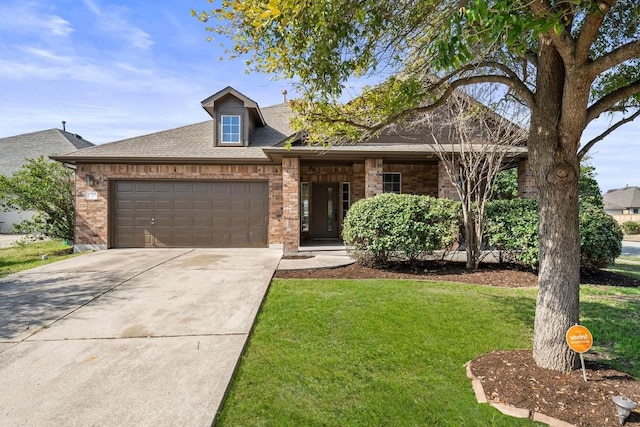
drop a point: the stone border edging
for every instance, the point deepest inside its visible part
(509, 410)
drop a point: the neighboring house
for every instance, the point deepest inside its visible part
(231, 181)
(15, 150)
(623, 204)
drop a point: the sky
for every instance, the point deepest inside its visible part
(117, 69)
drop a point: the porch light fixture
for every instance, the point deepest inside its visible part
(89, 179)
(624, 405)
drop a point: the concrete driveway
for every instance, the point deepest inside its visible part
(127, 337)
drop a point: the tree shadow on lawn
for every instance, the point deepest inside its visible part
(615, 331)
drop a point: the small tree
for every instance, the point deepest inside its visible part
(44, 187)
(472, 143)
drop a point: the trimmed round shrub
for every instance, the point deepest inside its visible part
(600, 237)
(400, 226)
(631, 227)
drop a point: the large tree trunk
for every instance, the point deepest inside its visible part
(556, 169)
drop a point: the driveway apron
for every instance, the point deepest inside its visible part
(128, 337)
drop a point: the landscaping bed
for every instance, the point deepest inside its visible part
(506, 275)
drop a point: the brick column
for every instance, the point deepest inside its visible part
(291, 205)
(446, 189)
(372, 177)
(526, 181)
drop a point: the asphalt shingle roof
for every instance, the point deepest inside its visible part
(14, 150)
(196, 141)
(622, 199)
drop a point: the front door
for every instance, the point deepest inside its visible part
(324, 210)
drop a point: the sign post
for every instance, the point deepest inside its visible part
(580, 340)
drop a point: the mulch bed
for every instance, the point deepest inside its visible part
(512, 377)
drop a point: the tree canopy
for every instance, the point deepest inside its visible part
(321, 45)
(568, 61)
(46, 188)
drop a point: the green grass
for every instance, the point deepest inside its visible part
(627, 266)
(391, 352)
(629, 258)
(374, 352)
(612, 314)
(21, 257)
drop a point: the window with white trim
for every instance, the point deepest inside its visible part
(230, 129)
(304, 206)
(391, 182)
(346, 198)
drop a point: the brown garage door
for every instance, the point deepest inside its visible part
(212, 214)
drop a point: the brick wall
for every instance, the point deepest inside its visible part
(92, 227)
(526, 181)
(416, 179)
(373, 177)
(291, 204)
(446, 189)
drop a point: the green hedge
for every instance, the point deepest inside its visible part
(512, 227)
(400, 226)
(631, 227)
(600, 237)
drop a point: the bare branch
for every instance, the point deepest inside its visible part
(584, 150)
(472, 147)
(605, 103)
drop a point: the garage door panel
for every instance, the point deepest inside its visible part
(190, 214)
(140, 187)
(164, 187)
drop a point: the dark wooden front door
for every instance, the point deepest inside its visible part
(324, 210)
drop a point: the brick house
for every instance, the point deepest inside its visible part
(232, 181)
(623, 204)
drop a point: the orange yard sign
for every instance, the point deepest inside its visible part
(579, 339)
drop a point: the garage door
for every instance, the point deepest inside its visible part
(213, 214)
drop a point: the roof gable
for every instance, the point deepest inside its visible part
(16, 149)
(623, 198)
(209, 104)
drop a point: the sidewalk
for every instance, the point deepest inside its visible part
(323, 255)
(7, 240)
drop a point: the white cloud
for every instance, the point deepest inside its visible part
(112, 21)
(28, 17)
(47, 54)
(57, 25)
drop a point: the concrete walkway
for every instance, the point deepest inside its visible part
(127, 337)
(328, 255)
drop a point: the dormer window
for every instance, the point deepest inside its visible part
(230, 129)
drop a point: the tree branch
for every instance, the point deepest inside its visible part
(584, 150)
(606, 102)
(511, 79)
(563, 43)
(615, 57)
(518, 86)
(589, 31)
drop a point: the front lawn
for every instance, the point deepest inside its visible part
(391, 352)
(374, 352)
(21, 257)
